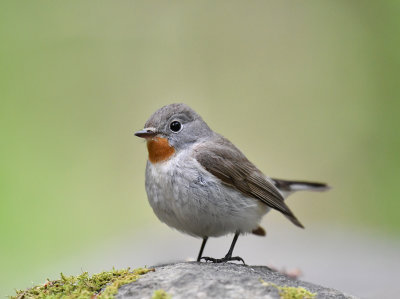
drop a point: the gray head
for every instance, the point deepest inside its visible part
(179, 123)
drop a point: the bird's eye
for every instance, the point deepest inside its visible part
(175, 126)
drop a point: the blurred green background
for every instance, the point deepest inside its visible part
(307, 90)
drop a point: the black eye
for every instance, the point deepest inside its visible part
(175, 126)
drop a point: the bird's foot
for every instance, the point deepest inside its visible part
(224, 259)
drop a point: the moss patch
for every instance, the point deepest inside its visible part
(101, 285)
(286, 292)
(161, 294)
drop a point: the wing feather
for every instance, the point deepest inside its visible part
(222, 159)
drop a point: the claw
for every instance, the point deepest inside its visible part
(223, 260)
(228, 257)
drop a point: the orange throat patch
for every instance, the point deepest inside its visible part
(159, 149)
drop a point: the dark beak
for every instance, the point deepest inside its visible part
(146, 133)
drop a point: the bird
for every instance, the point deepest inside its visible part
(201, 184)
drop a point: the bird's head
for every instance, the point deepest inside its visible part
(171, 129)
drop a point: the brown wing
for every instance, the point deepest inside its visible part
(222, 159)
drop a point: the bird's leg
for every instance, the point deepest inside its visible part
(228, 256)
(203, 244)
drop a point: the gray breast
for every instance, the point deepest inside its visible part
(188, 198)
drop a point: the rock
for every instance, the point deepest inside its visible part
(227, 280)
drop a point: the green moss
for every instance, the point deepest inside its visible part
(287, 292)
(102, 285)
(161, 294)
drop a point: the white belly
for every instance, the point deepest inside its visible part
(188, 198)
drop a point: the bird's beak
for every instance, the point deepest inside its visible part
(146, 133)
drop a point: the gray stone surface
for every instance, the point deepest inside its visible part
(208, 280)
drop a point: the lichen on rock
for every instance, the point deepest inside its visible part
(102, 285)
(181, 281)
(286, 292)
(161, 294)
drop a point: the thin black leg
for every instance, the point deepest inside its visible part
(233, 245)
(228, 256)
(203, 244)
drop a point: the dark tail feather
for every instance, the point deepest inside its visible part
(294, 220)
(300, 185)
(291, 186)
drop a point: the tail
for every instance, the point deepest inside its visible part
(288, 187)
(291, 186)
